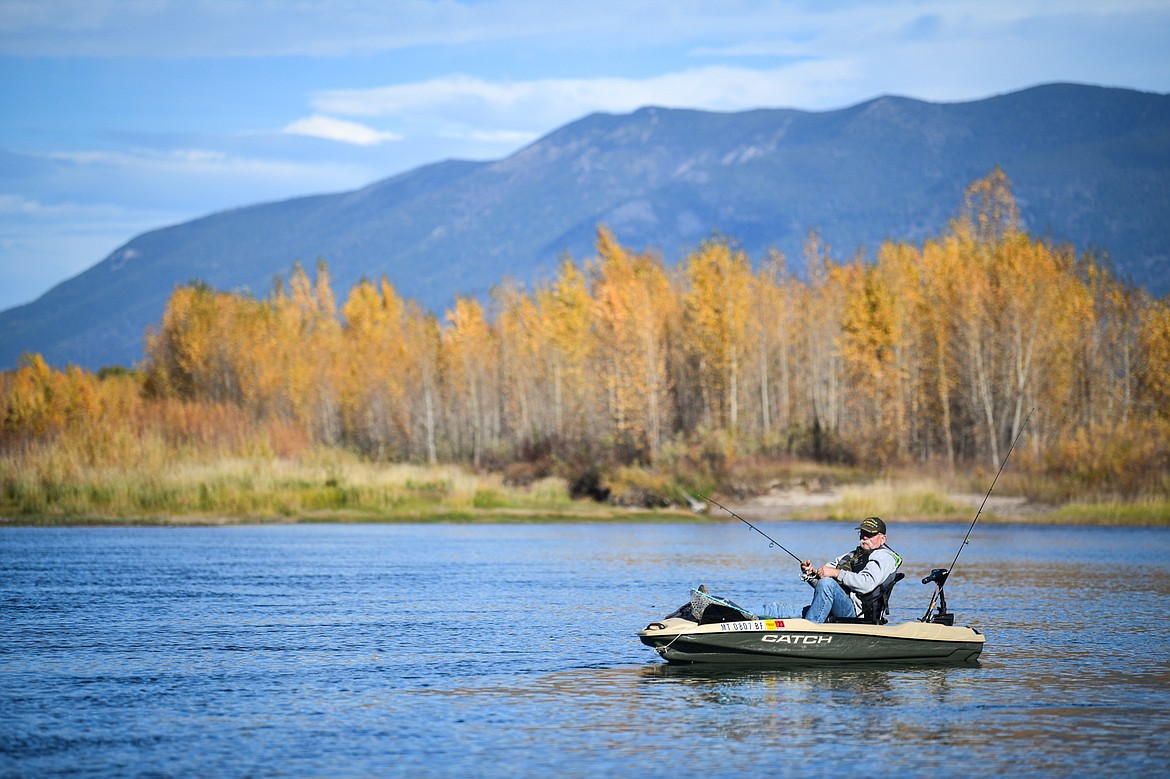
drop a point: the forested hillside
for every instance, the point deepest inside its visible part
(934, 353)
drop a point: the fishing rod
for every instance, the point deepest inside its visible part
(939, 575)
(773, 541)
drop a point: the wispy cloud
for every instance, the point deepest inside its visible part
(509, 138)
(339, 130)
(183, 182)
(14, 205)
(193, 163)
(546, 102)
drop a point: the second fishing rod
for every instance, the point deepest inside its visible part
(939, 576)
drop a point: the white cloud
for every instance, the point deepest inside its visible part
(496, 137)
(15, 205)
(339, 130)
(199, 163)
(542, 103)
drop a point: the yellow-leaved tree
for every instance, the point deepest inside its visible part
(471, 359)
(634, 307)
(565, 313)
(522, 346)
(376, 364)
(305, 349)
(870, 333)
(1154, 345)
(716, 306)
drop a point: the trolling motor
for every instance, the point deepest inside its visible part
(941, 616)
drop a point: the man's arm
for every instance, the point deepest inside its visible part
(881, 564)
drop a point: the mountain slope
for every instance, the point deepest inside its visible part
(1089, 165)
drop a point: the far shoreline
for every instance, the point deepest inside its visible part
(786, 504)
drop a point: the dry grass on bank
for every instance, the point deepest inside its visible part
(929, 499)
(919, 499)
(151, 479)
(323, 484)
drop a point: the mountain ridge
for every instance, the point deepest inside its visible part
(1089, 165)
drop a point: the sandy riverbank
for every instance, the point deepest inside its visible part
(801, 502)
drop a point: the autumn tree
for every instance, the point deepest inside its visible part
(470, 359)
(188, 353)
(772, 328)
(716, 304)
(305, 347)
(1154, 346)
(870, 332)
(375, 365)
(522, 347)
(899, 266)
(634, 306)
(820, 303)
(424, 343)
(40, 401)
(566, 316)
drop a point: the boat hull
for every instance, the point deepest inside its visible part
(800, 642)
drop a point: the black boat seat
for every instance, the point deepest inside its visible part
(874, 606)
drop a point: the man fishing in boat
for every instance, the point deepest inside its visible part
(844, 623)
(852, 587)
(855, 584)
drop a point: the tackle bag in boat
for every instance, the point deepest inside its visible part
(707, 609)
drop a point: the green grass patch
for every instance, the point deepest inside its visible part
(489, 499)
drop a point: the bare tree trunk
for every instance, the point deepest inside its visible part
(985, 394)
(429, 405)
(765, 410)
(733, 389)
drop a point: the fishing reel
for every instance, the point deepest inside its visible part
(941, 616)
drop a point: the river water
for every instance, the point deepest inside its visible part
(510, 650)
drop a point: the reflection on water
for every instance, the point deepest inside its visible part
(505, 650)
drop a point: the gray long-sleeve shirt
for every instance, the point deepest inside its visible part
(882, 562)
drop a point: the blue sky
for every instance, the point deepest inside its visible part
(120, 116)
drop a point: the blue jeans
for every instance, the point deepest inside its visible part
(829, 599)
